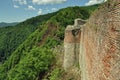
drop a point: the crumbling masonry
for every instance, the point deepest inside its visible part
(97, 43)
(72, 44)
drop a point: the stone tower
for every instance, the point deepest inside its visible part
(72, 43)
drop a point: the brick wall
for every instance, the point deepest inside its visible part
(72, 44)
(100, 44)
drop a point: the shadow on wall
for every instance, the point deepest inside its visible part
(72, 43)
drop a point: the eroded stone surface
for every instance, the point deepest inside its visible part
(100, 45)
(72, 44)
(98, 42)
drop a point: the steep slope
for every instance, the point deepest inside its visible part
(12, 37)
(33, 59)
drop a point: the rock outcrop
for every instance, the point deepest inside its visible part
(99, 44)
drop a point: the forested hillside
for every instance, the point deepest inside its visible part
(34, 59)
(12, 36)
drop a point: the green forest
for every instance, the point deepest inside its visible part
(26, 49)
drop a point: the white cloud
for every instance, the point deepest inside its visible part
(91, 2)
(105, 0)
(54, 9)
(40, 12)
(31, 7)
(21, 2)
(15, 6)
(41, 2)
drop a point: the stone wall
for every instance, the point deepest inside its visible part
(99, 57)
(97, 43)
(72, 44)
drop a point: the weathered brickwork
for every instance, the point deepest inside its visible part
(72, 44)
(100, 44)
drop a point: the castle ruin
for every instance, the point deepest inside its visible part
(72, 43)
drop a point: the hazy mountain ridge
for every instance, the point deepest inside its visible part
(4, 24)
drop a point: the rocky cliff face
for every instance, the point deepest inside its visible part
(99, 49)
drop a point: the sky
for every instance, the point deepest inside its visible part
(20, 10)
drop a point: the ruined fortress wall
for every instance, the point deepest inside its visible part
(100, 44)
(71, 46)
(71, 55)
